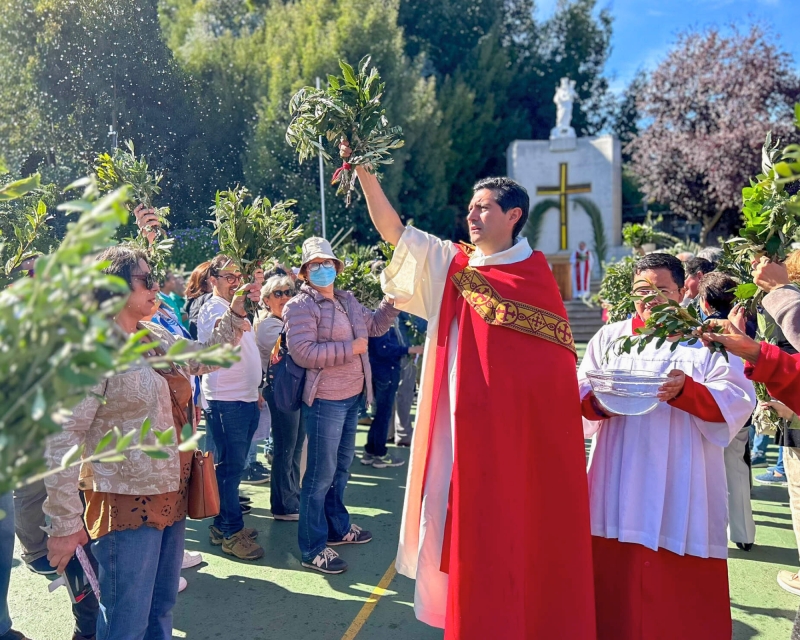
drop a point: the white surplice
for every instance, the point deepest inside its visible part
(416, 277)
(659, 479)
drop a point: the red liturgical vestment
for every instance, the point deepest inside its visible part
(512, 553)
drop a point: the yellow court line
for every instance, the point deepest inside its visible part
(369, 605)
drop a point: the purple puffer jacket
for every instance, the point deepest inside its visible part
(309, 325)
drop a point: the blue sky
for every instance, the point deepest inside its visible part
(644, 30)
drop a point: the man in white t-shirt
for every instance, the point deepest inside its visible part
(232, 416)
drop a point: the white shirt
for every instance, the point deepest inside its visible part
(416, 277)
(241, 381)
(659, 479)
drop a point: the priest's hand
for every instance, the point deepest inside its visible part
(673, 387)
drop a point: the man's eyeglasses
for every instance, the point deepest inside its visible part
(644, 293)
(230, 278)
(149, 280)
(315, 266)
(283, 294)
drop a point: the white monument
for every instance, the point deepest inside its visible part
(574, 178)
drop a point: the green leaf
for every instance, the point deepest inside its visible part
(104, 442)
(745, 291)
(19, 188)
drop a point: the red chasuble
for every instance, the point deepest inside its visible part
(517, 542)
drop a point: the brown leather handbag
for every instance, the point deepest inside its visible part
(203, 490)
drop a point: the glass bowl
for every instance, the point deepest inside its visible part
(627, 393)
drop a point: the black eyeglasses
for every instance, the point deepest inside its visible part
(149, 280)
(230, 278)
(287, 293)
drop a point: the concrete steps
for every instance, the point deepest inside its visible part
(584, 320)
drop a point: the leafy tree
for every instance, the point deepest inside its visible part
(69, 70)
(709, 105)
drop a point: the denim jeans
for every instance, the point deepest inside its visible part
(758, 443)
(384, 384)
(138, 571)
(288, 433)
(779, 465)
(331, 428)
(6, 557)
(232, 425)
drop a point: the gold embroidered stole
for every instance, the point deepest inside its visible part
(498, 311)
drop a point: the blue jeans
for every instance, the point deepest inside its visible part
(232, 425)
(384, 384)
(6, 557)
(138, 572)
(331, 427)
(288, 433)
(779, 465)
(758, 443)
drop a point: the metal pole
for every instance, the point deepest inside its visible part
(322, 184)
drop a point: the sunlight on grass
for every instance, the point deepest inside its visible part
(368, 511)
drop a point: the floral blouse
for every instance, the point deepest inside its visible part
(124, 401)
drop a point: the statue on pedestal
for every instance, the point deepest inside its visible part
(565, 97)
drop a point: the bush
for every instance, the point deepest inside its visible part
(192, 246)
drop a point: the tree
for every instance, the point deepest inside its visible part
(69, 70)
(709, 105)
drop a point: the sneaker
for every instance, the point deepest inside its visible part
(246, 508)
(245, 500)
(13, 634)
(356, 535)
(771, 477)
(327, 561)
(288, 517)
(216, 537)
(256, 473)
(367, 458)
(41, 566)
(745, 546)
(191, 559)
(757, 462)
(182, 584)
(242, 546)
(381, 462)
(789, 581)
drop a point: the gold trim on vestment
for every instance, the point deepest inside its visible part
(498, 311)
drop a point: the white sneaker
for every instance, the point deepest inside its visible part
(191, 559)
(789, 581)
(182, 584)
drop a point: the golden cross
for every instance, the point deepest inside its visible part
(562, 191)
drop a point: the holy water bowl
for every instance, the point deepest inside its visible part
(627, 393)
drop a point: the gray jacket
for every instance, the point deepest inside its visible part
(309, 326)
(783, 305)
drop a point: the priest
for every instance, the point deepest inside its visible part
(581, 261)
(495, 525)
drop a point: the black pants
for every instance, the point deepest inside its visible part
(288, 434)
(384, 386)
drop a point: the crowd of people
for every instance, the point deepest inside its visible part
(645, 537)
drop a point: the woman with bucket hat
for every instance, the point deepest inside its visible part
(327, 331)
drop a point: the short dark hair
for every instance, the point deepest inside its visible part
(653, 261)
(508, 194)
(124, 263)
(218, 263)
(698, 265)
(716, 288)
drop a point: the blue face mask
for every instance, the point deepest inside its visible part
(323, 276)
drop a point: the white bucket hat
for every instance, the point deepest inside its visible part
(319, 248)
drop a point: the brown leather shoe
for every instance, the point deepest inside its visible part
(216, 536)
(242, 546)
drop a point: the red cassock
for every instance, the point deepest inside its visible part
(517, 543)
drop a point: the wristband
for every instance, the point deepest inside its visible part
(243, 317)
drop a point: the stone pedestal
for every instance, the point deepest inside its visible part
(590, 168)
